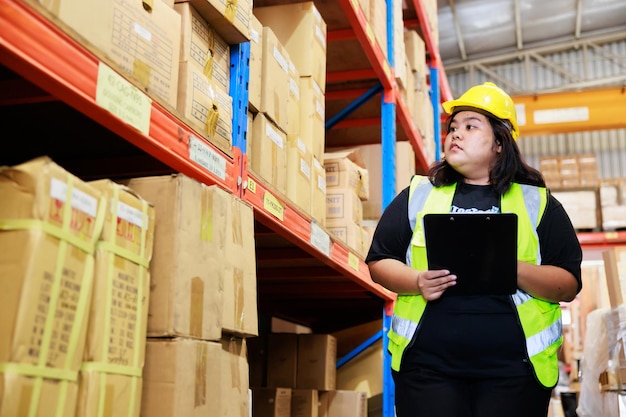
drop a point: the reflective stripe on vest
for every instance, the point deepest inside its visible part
(541, 320)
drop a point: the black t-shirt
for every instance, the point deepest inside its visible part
(474, 336)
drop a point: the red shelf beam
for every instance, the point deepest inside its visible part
(291, 224)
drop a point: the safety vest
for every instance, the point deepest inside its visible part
(540, 320)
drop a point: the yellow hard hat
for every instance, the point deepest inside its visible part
(490, 98)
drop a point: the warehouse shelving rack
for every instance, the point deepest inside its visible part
(51, 66)
(304, 275)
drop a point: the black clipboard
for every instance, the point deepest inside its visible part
(479, 248)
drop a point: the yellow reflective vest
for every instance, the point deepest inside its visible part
(540, 320)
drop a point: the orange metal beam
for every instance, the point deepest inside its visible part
(579, 111)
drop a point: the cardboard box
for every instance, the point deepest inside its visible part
(351, 234)
(415, 48)
(317, 360)
(121, 394)
(375, 406)
(116, 334)
(271, 402)
(204, 264)
(304, 403)
(187, 269)
(322, 409)
(282, 359)
(582, 206)
(183, 377)
(405, 163)
(257, 360)
(312, 116)
(205, 106)
(256, 65)
(364, 372)
(293, 101)
(296, 25)
(318, 191)
(234, 378)
(231, 19)
(343, 403)
(240, 312)
(268, 153)
(378, 23)
(145, 45)
(299, 173)
(346, 169)
(343, 206)
(52, 221)
(202, 46)
(275, 80)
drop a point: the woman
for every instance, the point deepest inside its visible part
(477, 355)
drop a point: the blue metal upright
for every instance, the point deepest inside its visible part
(435, 99)
(388, 146)
(239, 77)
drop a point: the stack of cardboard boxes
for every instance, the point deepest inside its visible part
(574, 181)
(75, 272)
(297, 378)
(286, 96)
(347, 186)
(203, 295)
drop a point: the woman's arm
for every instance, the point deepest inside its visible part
(402, 279)
(547, 282)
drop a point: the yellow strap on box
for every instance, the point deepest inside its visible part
(38, 371)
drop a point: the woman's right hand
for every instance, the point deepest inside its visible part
(402, 279)
(433, 283)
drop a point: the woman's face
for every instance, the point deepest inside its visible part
(470, 146)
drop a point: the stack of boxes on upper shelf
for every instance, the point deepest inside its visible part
(411, 76)
(287, 106)
(593, 203)
(179, 53)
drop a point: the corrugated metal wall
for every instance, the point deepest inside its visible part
(609, 146)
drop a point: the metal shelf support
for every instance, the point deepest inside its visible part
(435, 99)
(353, 106)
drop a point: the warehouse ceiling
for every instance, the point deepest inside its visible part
(474, 29)
(514, 40)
